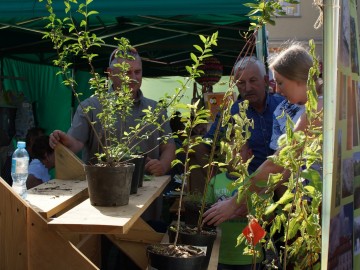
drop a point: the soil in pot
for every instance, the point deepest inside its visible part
(109, 186)
(180, 257)
(189, 236)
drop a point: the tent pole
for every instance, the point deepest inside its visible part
(331, 33)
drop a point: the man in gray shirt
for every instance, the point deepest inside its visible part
(80, 136)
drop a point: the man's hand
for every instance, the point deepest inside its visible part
(58, 136)
(154, 167)
(223, 211)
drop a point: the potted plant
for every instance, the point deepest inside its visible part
(117, 144)
(176, 253)
(295, 215)
(196, 233)
(161, 256)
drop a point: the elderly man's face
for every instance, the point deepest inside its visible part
(251, 84)
(134, 73)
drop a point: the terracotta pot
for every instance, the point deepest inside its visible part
(159, 260)
(109, 186)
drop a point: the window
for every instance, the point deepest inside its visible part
(290, 9)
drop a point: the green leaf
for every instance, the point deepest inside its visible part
(83, 23)
(193, 57)
(179, 150)
(310, 227)
(188, 69)
(276, 226)
(293, 228)
(93, 12)
(176, 161)
(197, 47)
(194, 167)
(311, 190)
(275, 178)
(271, 208)
(67, 7)
(261, 183)
(314, 177)
(286, 197)
(250, 5)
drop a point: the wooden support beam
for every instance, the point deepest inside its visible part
(49, 250)
(68, 165)
(13, 232)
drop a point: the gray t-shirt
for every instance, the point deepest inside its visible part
(82, 131)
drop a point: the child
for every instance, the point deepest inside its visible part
(221, 188)
(44, 160)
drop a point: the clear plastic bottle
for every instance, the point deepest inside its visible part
(19, 169)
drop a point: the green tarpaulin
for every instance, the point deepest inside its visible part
(163, 31)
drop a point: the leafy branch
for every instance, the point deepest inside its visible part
(297, 211)
(78, 43)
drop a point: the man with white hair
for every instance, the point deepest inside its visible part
(251, 82)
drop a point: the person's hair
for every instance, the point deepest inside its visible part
(120, 54)
(41, 147)
(292, 63)
(32, 134)
(244, 61)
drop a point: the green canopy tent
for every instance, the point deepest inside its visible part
(162, 31)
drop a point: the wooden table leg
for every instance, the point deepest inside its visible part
(134, 243)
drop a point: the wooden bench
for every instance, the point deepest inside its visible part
(57, 228)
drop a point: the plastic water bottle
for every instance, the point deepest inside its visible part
(19, 169)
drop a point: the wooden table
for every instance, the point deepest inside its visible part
(58, 228)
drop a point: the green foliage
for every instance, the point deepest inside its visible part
(264, 11)
(73, 40)
(193, 116)
(296, 213)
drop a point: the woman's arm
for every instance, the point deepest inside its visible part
(228, 209)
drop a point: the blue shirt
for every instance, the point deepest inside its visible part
(294, 111)
(260, 138)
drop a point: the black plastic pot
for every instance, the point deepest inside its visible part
(158, 261)
(109, 186)
(138, 174)
(204, 239)
(192, 212)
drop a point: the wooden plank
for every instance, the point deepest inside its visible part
(54, 196)
(140, 232)
(67, 164)
(214, 259)
(49, 250)
(13, 233)
(86, 218)
(87, 244)
(90, 246)
(134, 243)
(135, 251)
